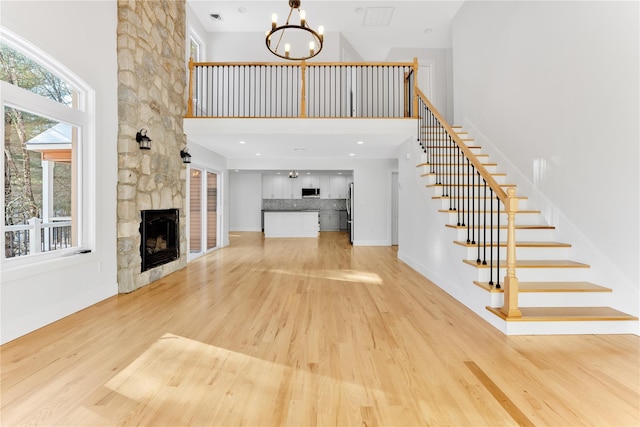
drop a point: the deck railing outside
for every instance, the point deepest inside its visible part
(37, 236)
(290, 90)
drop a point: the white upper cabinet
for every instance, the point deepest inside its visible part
(311, 181)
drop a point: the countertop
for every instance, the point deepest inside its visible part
(291, 210)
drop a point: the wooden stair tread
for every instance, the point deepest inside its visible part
(519, 244)
(437, 147)
(548, 287)
(463, 174)
(532, 263)
(566, 314)
(524, 211)
(475, 197)
(465, 185)
(452, 164)
(504, 227)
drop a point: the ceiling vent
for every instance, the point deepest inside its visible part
(377, 16)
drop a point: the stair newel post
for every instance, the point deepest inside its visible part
(303, 92)
(510, 307)
(190, 101)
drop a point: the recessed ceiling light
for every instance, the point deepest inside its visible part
(258, 154)
(242, 9)
(243, 142)
(352, 154)
(237, 170)
(360, 142)
(299, 149)
(428, 30)
(216, 16)
(359, 10)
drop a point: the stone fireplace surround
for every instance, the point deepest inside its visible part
(151, 95)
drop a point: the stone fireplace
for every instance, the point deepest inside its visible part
(159, 237)
(152, 95)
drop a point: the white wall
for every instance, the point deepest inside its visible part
(551, 90)
(251, 47)
(40, 294)
(372, 185)
(246, 201)
(439, 64)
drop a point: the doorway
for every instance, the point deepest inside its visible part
(203, 211)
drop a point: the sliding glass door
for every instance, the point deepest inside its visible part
(203, 211)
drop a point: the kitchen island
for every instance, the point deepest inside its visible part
(290, 223)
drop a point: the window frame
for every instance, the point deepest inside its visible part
(81, 116)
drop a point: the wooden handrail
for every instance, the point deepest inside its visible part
(500, 193)
(510, 305)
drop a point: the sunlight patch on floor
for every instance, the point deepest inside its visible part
(339, 275)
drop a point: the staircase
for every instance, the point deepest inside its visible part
(554, 294)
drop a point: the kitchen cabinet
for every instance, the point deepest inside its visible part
(281, 187)
(311, 181)
(291, 224)
(267, 187)
(329, 220)
(333, 186)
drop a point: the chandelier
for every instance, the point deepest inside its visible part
(293, 174)
(280, 43)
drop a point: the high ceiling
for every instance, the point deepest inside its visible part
(374, 28)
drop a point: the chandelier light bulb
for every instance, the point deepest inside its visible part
(297, 35)
(321, 32)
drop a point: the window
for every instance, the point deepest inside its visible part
(46, 146)
(194, 48)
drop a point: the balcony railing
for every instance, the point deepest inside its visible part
(290, 90)
(36, 237)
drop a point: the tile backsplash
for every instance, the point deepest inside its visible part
(301, 204)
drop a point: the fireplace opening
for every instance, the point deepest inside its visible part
(160, 239)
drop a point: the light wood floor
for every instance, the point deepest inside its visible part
(306, 332)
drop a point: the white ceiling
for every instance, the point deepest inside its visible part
(412, 24)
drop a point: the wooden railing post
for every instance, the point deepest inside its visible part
(303, 94)
(190, 100)
(510, 306)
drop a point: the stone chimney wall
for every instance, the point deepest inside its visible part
(151, 95)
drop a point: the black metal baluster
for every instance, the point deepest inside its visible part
(498, 239)
(490, 236)
(484, 225)
(478, 260)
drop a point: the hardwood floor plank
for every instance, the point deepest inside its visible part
(290, 332)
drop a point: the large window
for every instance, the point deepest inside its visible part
(46, 144)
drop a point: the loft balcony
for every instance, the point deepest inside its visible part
(372, 101)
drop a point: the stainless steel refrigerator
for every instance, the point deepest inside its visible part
(350, 205)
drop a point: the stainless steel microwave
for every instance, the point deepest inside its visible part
(311, 193)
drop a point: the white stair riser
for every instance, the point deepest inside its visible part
(462, 191)
(539, 274)
(571, 328)
(425, 158)
(521, 219)
(564, 299)
(432, 178)
(527, 235)
(525, 253)
(473, 203)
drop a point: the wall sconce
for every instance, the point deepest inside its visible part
(143, 140)
(186, 157)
